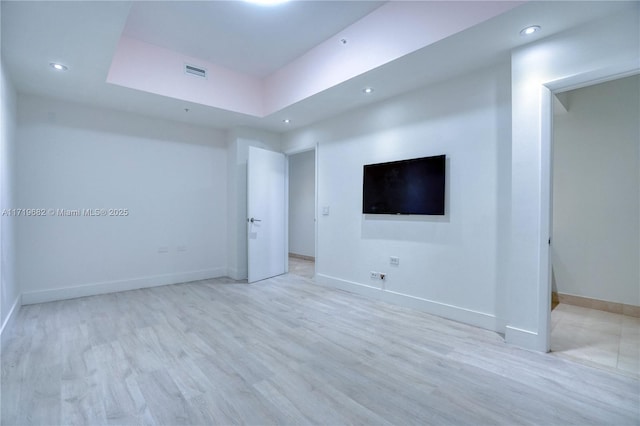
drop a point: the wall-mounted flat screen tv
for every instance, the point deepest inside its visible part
(414, 186)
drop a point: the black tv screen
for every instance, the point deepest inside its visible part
(413, 186)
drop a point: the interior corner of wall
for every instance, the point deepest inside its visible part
(6, 325)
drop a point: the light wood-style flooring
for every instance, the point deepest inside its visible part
(285, 351)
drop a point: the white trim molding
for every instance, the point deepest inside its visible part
(237, 273)
(525, 339)
(456, 313)
(94, 289)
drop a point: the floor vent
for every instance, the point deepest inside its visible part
(198, 72)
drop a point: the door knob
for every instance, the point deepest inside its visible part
(252, 220)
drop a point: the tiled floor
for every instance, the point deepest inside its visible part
(301, 267)
(597, 338)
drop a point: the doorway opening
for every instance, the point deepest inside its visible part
(595, 225)
(302, 214)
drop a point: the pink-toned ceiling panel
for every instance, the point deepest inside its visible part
(388, 33)
(395, 29)
(143, 66)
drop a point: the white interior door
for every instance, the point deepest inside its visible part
(266, 214)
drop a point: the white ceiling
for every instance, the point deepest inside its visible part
(244, 37)
(84, 35)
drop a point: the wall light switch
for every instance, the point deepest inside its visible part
(325, 211)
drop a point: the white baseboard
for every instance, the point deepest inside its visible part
(237, 274)
(302, 256)
(524, 338)
(456, 313)
(8, 322)
(93, 289)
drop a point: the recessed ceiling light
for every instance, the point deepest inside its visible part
(266, 2)
(368, 90)
(57, 66)
(286, 121)
(530, 30)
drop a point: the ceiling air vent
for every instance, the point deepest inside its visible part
(198, 72)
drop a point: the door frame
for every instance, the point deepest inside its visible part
(548, 91)
(288, 154)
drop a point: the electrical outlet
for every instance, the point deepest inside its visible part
(374, 275)
(394, 260)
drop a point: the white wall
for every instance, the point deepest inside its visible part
(171, 177)
(453, 265)
(302, 175)
(9, 291)
(596, 189)
(611, 43)
(238, 142)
